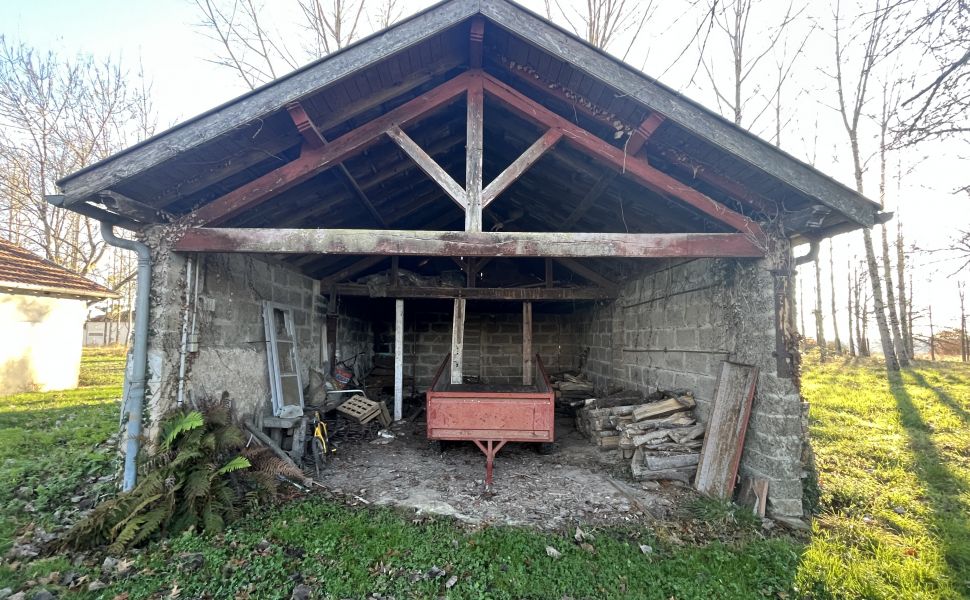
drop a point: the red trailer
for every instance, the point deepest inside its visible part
(491, 415)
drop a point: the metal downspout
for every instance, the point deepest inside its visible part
(139, 367)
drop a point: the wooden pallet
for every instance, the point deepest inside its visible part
(365, 411)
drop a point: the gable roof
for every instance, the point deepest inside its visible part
(423, 49)
(22, 272)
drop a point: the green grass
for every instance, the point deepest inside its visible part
(894, 466)
(893, 461)
(48, 444)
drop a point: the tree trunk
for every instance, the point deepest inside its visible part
(887, 272)
(878, 306)
(904, 310)
(848, 276)
(835, 313)
(932, 336)
(819, 330)
(964, 351)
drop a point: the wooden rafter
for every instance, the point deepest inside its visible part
(311, 163)
(586, 273)
(687, 165)
(520, 165)
(635, 168)
(428, 165)
(313, 139)
(634, 144)
(466, 243)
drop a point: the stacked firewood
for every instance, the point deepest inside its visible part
(572, 390)
(660, 438)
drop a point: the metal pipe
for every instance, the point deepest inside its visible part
(183, 348)
(139, 356)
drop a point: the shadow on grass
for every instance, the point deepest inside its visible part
(943, 397)
(949, 518)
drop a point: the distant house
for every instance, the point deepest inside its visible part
(43, 308)
(104, 330)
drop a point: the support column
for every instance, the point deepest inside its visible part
(398, 359)
(527, 356)
(457, 340)
(473, 155)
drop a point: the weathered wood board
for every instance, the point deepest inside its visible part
(724, 441)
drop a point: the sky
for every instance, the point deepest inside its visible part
(164, 37)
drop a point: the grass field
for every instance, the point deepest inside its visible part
(894, 468)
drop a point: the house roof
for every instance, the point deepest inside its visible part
(22, 272)
(204, 158)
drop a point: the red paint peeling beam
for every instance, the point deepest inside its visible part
(311, 135)
(312, 161)
(466, 243)
(630, 166)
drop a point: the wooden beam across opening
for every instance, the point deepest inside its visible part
(466, 243)
(635, 168)
(516, 294)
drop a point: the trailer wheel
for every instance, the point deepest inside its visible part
(547, 448)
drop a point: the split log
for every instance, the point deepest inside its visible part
(642, 473)
(686, 435)
(676, 461)
(663, 408)
(682, 419)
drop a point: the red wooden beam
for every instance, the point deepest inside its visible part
(468, 243)
(641, 135)
(631, 166)
(313, 162)
(311, 135)
(315, 140)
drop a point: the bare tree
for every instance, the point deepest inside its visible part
(835, 313)
(937, 103)
(964, 342)
(848, 275)
(57, 116)
(603, 22)
(932, 336)
(258, 50)
(733, 19)
(873, 42)
(889, 101)
(819, 317)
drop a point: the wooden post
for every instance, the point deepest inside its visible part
(398, 359)
(527, 343)
(473, 155)
(457, 340)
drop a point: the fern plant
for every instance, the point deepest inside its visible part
(197, 478)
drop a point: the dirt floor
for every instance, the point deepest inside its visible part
(577, 484)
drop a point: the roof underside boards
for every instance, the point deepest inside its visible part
(565, 190)
(24, 272)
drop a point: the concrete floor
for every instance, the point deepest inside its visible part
(579, 484)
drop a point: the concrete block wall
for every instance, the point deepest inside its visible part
(428, 340)
(232, 350)
(671, 329)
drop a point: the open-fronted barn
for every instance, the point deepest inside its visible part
(474, 182)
